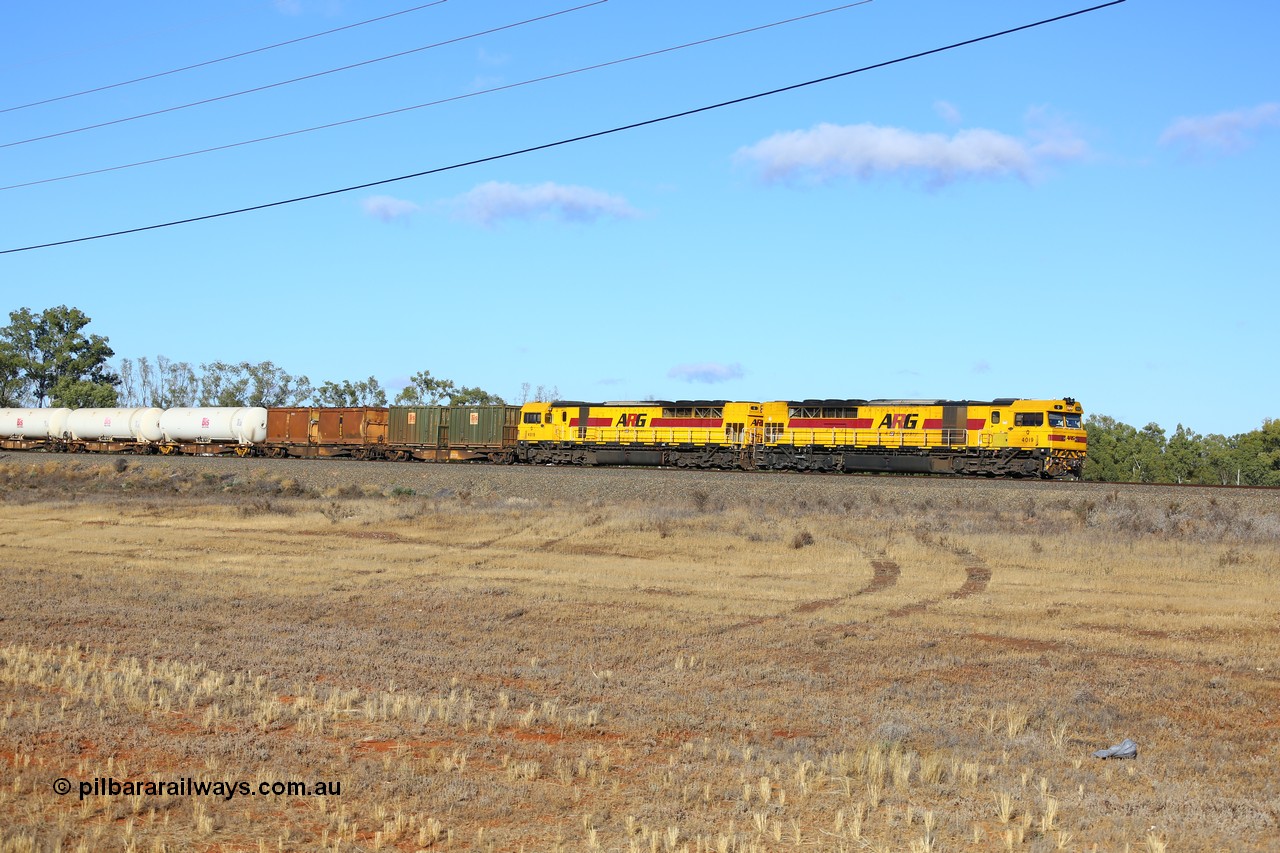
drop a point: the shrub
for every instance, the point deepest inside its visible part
(802, 539)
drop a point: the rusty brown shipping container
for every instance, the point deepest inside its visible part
(308, 431)
(357, 425)
(289, 426)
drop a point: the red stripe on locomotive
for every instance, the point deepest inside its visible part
(687, 422)
(830, 423)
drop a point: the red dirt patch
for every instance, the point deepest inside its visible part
(539, 737)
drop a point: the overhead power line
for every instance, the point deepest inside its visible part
(280, 83)
(124, 39)
(209, 62)
(435, 103)
(567, 141)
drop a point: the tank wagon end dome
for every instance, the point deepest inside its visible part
(145, 424)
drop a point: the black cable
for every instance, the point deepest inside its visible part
(546, 145)
(304, 77)
(450, 99)
(208, 62)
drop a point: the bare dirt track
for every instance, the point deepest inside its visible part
(545, 658)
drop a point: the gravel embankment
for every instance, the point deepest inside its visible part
(546, 484)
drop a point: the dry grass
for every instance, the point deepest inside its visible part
(716, 664)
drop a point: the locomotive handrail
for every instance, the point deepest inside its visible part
(792, 437)
(874, 438)
(657, 435)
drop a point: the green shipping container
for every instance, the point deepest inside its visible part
(419, 425)
(483, 426)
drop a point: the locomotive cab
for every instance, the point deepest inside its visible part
(1053, 428)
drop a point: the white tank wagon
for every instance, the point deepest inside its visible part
(33, 424)
(243, 426)
(141, 425)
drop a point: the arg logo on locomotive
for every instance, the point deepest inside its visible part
(907, 421)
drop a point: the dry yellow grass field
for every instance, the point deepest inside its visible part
(543, 659)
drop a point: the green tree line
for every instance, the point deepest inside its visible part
(1119, 452)
(47, 359)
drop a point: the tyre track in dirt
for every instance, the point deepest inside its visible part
(977, 577)
(885, 574)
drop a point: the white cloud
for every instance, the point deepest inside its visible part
(828, 152)
(709, 372)
(493, 201)
(982, 366)
(388, 208)
(1229, 131)
(947, 111)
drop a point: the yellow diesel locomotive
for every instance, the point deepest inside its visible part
(998, 438)
(683, 433)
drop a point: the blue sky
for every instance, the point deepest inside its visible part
(1085, 209)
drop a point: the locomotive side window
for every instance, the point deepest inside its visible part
(995, 417)
(533, 417)
(564, 416)
(1028, 419)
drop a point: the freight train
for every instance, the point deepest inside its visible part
(1005, 437)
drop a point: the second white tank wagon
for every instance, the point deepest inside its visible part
(138, 424)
